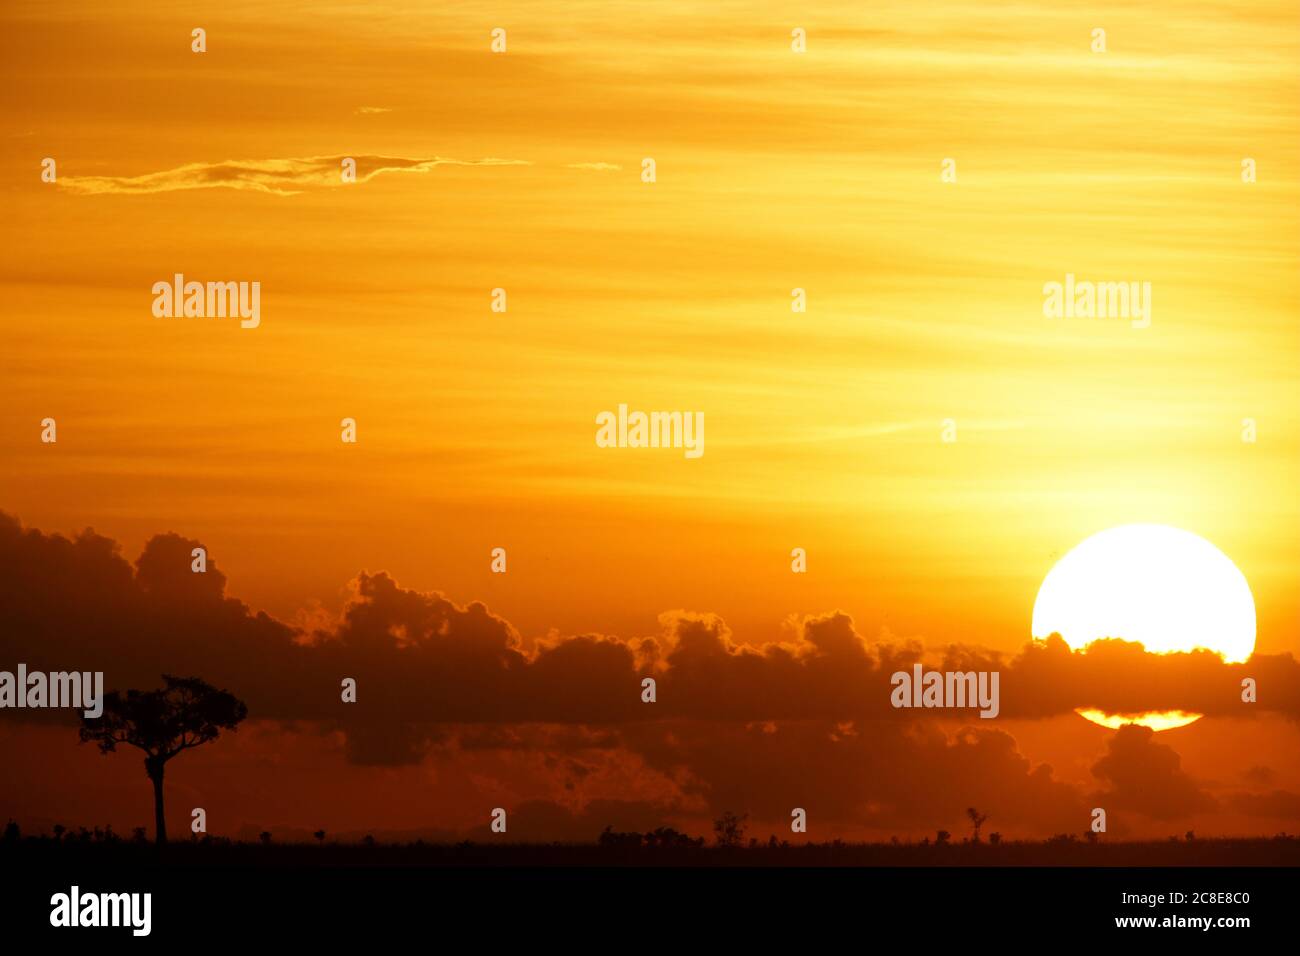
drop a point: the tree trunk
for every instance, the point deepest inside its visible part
(154, 767)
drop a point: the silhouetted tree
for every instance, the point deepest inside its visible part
(942, 837)
(668, 837)
(265, 837)
(995, 838)
(185, 713)
(368, 840)
(729, 829)
(12, 833)
(976, 821)
(320, 837)
(59, 830)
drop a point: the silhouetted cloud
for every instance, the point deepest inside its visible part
(877, 774)
(766, 726)
(419, 657)
(1260, 774)
(1147, 777)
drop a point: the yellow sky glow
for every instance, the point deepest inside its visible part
(819, 171)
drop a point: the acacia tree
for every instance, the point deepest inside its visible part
(183, 714)
(729, 829)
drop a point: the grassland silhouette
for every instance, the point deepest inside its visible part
(663, 846)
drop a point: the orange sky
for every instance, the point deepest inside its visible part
(775, 170)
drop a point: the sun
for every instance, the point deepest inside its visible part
(1166, 588)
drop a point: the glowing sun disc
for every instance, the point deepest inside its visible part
(1165, 588)
(1155, 719)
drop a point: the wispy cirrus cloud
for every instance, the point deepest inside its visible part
(280, 177)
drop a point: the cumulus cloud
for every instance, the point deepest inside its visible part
(420, 657)
(881, 775)
(279, 177)
(762, 726)
(1147, 777)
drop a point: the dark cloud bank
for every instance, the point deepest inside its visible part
(735, 725)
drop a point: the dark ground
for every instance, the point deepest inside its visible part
(1273, 851)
